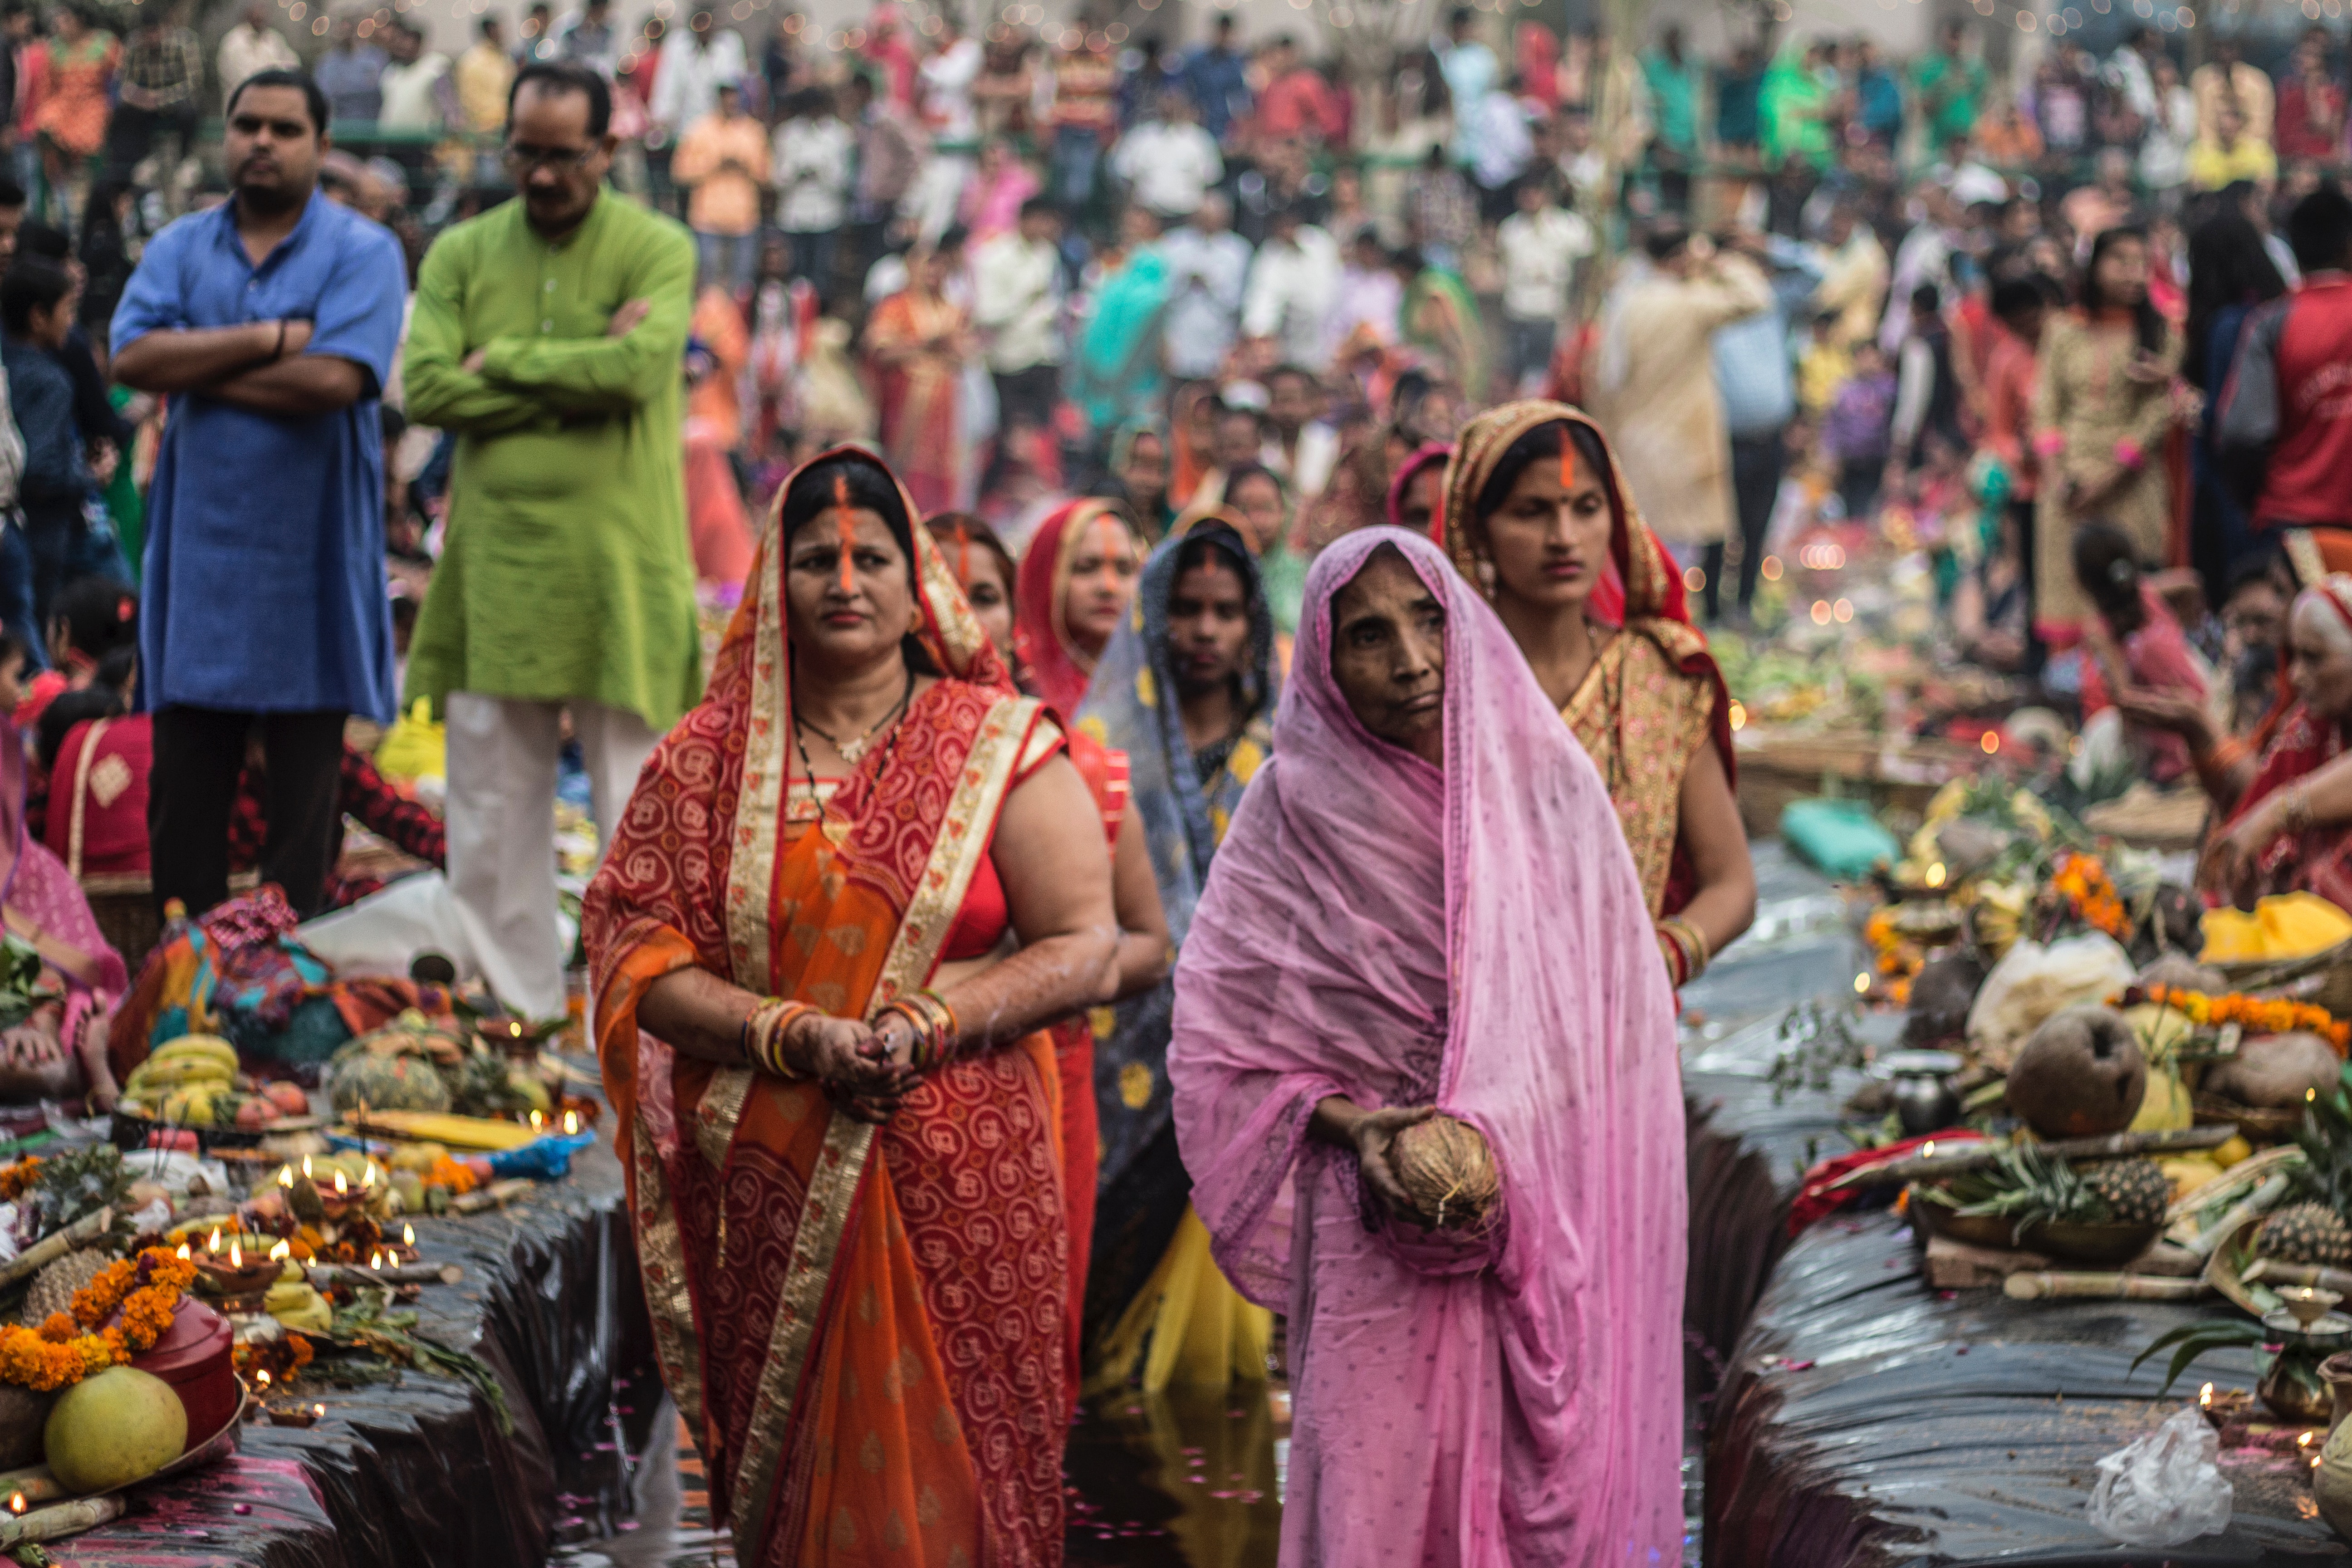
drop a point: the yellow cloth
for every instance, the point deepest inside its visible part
(484, 73)
(2282, 926)
(2212, 166)
(1187, 1325)
(1822, 369)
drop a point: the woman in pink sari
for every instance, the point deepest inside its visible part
(1500, 1395)
(58, 1051)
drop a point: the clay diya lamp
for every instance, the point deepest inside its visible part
(236, 1275)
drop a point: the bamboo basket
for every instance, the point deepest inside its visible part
(2323, 979)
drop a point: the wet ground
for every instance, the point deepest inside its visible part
(1189, 1481)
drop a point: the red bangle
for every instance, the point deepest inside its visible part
(2128, 454)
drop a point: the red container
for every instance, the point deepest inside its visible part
(194, 1357)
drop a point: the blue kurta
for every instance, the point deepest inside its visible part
(264, 577)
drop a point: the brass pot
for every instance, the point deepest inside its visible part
(2289, 1399)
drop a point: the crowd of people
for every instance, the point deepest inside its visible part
(1216, 560)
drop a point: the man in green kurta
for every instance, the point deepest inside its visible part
(550, 337)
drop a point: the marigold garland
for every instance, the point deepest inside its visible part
(2255, 1014)
(17, 1179)
(147, 1289)
(2084, 883)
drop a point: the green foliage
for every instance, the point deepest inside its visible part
(2326, 1140)
(2190, 1340)
(2025, 1186)
(1816, 1039)
(71, 1186)
(21, 990)
(370, 1324)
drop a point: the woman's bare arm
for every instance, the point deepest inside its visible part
(1050, 856)
(1724, 903)
(1143, 945)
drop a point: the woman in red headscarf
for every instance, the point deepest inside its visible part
(835, 1099)
(1077, 579)
(1538, 515)
(2289, 828)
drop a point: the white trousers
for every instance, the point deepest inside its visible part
(501, 825)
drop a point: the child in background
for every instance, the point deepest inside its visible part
(1823, 367)
(1855, 433)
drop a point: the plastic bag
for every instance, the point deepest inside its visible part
(2032, 982)
(2165, 1487)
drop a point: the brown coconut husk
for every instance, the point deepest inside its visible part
(1448, 1171)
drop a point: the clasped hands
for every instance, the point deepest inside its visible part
(866, 1071)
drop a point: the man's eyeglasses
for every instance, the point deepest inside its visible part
(559, 159)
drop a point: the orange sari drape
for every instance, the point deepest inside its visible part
(863, 1326)
(918, 398)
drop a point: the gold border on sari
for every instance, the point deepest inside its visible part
(662, 1266)
(955, 859)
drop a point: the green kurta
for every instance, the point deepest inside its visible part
(567, 572)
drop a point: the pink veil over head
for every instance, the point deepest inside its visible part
(1474, 938)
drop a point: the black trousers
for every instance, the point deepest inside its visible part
(1756, 465)
(199, 752)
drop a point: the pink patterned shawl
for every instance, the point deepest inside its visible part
(1477, 939)
(43, 904)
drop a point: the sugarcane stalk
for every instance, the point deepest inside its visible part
(2168, 1257)
(60, 1519)
(2047, 1286)
(2257, 1202)
(1976, 1156)
(47, 1250)
(497, 1194)
(33, 1483)
(325, 1274)
(2276, 1272)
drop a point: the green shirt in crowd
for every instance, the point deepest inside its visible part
(567, 572)
(1950, 89)
(1673, 102)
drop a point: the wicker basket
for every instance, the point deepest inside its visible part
(2323, 979)
(123, 903)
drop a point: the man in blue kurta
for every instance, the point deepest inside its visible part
(269, 323)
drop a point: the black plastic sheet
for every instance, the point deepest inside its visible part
(418, 1470)
(1866, 1419)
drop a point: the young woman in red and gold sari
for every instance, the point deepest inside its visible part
(1077, 579)
(918, 341)
(983, 569)
(1538, 515)
(837, 1104)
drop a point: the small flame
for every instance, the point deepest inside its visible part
(317, 1410)
(2304, 1441)
(375, 1261)
(261, 1376)
(367, 1174)
(514, 1028)
(15, 1502)
(1927, 1150)
(236, 1259)
(407, 1235)
(343, 1187)
(2205, 1397)
(1862, 984)
(1992, 742)
(285, 1175)
(572, 1121)
(213, 1245)
(306, 1164)
(281, 1252)
(1935, 875)
(536, 1119)
(184, 1250)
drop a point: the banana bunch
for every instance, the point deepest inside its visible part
(299, 1306)
(185, 1081)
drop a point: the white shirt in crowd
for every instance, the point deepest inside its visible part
(947, 79)
(246, 49)
(1017, 301)
(1501, 143)
(1309, 471)
(686, 82)
(814, 160)
(1363, 298)
(1539, 251)
(1206, 274)
(411, 93)
(1289, 294)
(1169, 166)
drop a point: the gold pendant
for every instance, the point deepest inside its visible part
(855, 752)
(836, 831)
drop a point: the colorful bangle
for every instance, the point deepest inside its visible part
(2050, 443)
(934, 1023)
(1684, 946)
(2128, 454)
(763, 1035)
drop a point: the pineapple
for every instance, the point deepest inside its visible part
(53, 1289)
(2136, 1192)
(2305, 1233)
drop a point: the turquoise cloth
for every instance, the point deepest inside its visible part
(1839, 839)
(1119, 376)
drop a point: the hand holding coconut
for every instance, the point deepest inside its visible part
(1371, 1134)
(1427, 1168)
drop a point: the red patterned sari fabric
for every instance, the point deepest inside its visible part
(865, 1328)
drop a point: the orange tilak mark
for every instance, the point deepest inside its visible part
(1566, 460)
(963, 555)
(847, 522)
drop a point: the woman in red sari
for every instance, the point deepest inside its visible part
(2289, 827)
(918, 341)
(1538, 515)
(1077, 579)
(838, 1108)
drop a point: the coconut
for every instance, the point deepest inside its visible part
(1448, 1171)
(2274, 1072)
(112, 1428)
(2079, 1075)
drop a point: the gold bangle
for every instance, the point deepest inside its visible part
(764, 1032)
